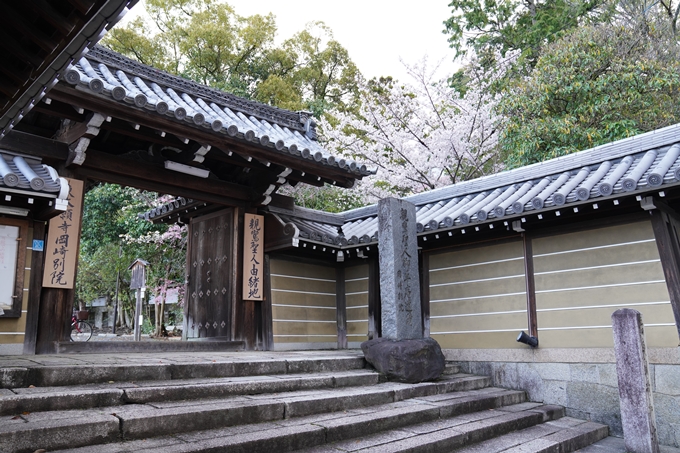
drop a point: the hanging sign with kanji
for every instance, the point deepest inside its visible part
(61, 248)
(253, 255)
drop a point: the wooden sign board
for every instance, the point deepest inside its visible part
(253, 257)
(61, 249)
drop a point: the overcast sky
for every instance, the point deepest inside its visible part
(376, 33)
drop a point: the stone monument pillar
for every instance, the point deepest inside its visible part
(399, 280)
(402, 354)
(635, 390)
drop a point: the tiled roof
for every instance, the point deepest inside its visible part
(630, 167)
(128, 82)
(28, 176)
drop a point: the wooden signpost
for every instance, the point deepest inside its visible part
(253, 257)
(61, 249)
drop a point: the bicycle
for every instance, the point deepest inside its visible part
(80, 330)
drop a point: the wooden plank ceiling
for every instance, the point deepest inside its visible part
(39, 39)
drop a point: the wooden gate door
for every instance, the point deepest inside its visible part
(210, 266)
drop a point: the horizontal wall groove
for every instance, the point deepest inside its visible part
(304, 278)
(517, 329)
(613, 285)
(437, 301)
(598, 247)
(481, 280)
(304, 320)
(462, 266)
(463, 315)
(665, 324)
(585, 307)
(301, 292)
(604, 266)
(303, 306)
(304, 335)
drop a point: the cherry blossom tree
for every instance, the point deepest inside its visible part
(420, 135)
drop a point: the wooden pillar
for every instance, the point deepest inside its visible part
(667, 243)
(34, 289)
(341, 305)
(532, 320)
(374, 318)
(266, 304)
(56, 304)
(424, 268)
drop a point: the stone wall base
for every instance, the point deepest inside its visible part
(588, 389)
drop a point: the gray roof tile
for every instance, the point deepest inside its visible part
(109, 74)
(621, 169)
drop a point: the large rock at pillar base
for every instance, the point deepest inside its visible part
(409, 361)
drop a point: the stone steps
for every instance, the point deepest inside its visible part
(111, 394)
(312, 403)
(91, 373)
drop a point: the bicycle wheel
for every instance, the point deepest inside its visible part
(81, 331)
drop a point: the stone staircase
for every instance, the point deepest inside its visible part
(312, 404)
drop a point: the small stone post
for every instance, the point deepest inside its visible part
(399, 280)
(635, 391)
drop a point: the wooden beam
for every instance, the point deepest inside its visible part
(341, 305)
(33, 145)
(123, 180)
(149, 173)
(532, 320)
(669, 251)
(60, 110)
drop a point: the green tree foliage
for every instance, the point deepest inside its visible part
(595, 86)
(207, 41)
(490, 28)
(113, 237)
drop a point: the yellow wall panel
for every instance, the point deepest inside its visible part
(305, 328)
(479, 323)
(477, 289)
(588, 297)
(303, 314)
(473, 282)
(623, 253)
(629, 294)
(477, 272)
(296, 298)
(303, 284)
(297, 288)
(360, 271)
(500, 340)
(357, 328)
(491, 305)
(646, 272)
(305, 339)
(286, 267)
(476, 255)
(630, 232)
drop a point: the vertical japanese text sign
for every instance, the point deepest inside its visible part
(61, 248)
(253, 243)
